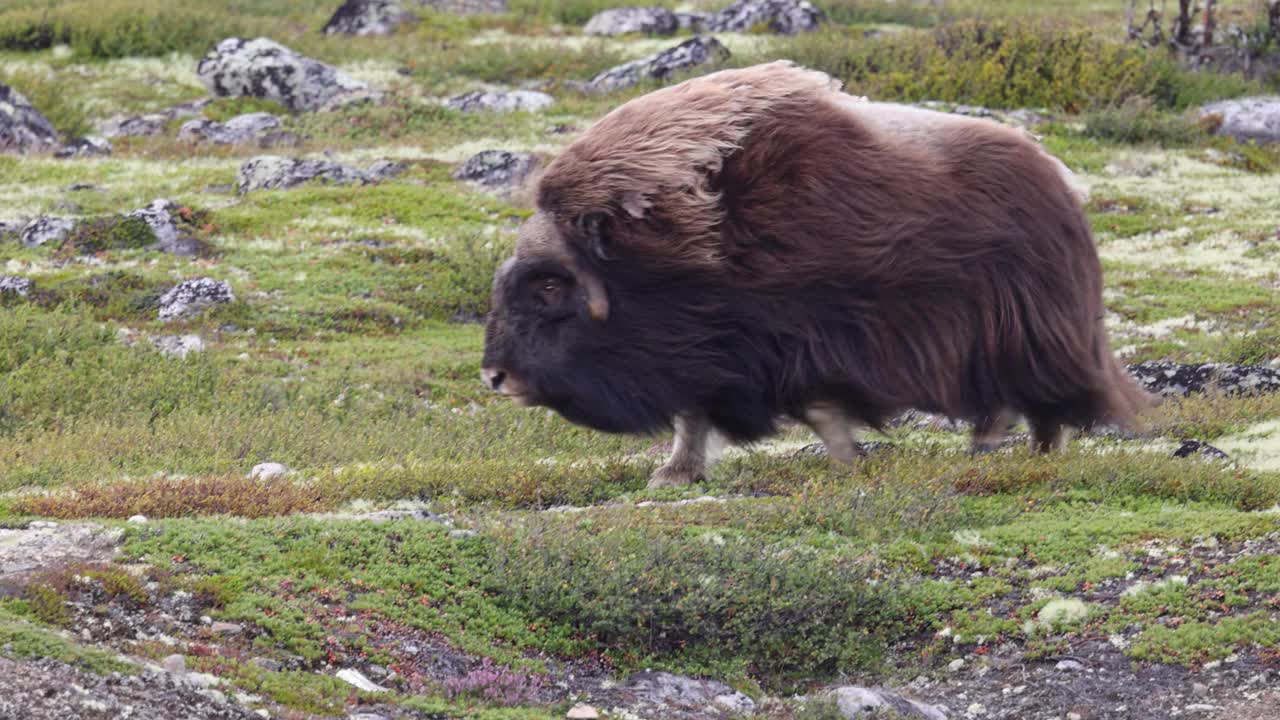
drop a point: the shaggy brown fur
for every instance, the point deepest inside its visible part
(760, 242)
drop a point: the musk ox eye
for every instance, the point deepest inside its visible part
(549, 290)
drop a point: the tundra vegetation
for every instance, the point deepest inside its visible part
(478, 559)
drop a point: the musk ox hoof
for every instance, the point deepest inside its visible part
(675, 476)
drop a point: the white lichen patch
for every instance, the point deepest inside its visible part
(1179, 179)
(1224, 251)
(1257, 447)
(1162, 329)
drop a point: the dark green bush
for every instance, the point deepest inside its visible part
(1005, 65)
(1137, 120)
(114, 232)
(115, 29)
(698, 597)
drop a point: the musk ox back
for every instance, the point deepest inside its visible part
(755, 243)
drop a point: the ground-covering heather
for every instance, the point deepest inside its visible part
(475, 559)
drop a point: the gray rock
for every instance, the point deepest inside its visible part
(496, 168)
(514, 101)
(1069, 666)
(1201, 448)
(385, 169)
(16, 285)
(367, 17)
(264, 68)
(643, 20)
(22, 128)
(88, 146)
(240, 130)
(190, 297)
(268, 471)
(1179, 380)
(1251, 118)
(267, 172)
(695, 21)
(133, 125)
(688, 54)
(665, 690)
(45, 230)
(174, 664)
(162, 217)
(178, 346)
(784, 17)
(465, 7)
(856, 703)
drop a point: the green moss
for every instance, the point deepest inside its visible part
(119, 232)
(1197, 642)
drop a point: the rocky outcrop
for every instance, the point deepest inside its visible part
(191, 297)
(247, 129)
(626, 20)
(496, 169)
(367, 17)
(150, 123)
(268, 172)
(1177, 379)
(784, 17)
(688, 54)
(1251, 118)
(22, 128)
(677, 696)
(514, 101)
(859, 703)
(88, 146)
(164, 217)
(264, 68)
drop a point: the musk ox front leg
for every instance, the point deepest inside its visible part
(989, 432)
(833, 427)
(694, 437)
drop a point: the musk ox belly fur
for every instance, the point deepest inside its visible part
(746, 244)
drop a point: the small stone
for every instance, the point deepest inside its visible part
(267, 664)
(226, 628)
(627, 20)
(1199, 689)
(956, 665)
(22, 128)
(976, 710)
(14, 285)
(268, 471)
(582, 712)
(174, 664)
(784, 17)
(46, 230)
(240, 130)
(496, 168)
(138, 519)
(178, 346)
(1069, 666)
(273, 172)
(1074, 716)
(1200, 708)
(367, 18)
(460, 534)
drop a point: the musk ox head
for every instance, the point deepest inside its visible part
(558, 336)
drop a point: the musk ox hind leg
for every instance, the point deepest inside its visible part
(833, 427)
(1048, 434)
(989, 432)
(696, 442)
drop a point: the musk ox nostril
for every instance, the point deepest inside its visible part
(493, 378)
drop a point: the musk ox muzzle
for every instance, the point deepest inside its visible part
(756, 244)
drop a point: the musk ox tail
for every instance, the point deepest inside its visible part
(1122, 401)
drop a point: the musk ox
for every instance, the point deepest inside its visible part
(755, 244)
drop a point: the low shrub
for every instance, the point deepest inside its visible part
(1137, 120)
(125, 28)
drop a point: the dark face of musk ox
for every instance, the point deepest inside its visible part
(557, 337)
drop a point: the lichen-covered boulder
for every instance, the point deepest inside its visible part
(264, 68)
(367, 17)
(133, 125)
(688, 54)
(16, 285)
(625, 20)
(267, 172)
(22, 128)
(164, 217)
(1172, 379)
(858, 702)
(46, 230)
(190, 297)
(514, 101)
(784, 17)
(240, 130)
(496, 169)
(1251, 118)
